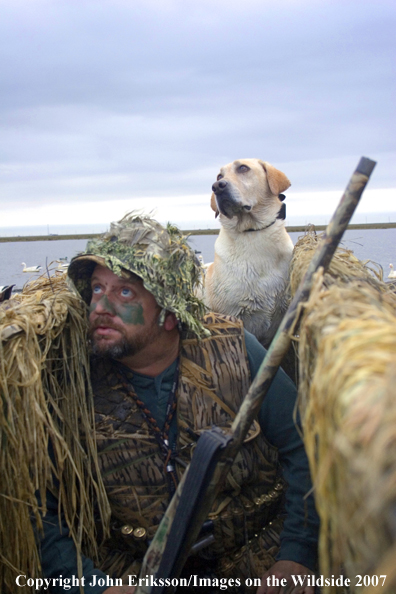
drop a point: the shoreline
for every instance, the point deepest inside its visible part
(291, 229)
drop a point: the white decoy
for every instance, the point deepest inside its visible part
(31, 268)
(392, 273)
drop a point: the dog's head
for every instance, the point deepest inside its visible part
(246, 193)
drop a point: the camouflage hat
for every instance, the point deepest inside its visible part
(160, 256)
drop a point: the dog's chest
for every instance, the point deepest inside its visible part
(250, 273)
(249, 287)
(258, 259)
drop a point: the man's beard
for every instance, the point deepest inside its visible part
(123, 347)
(114, 350)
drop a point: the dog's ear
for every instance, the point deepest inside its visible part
(213, 205)
(277, 180)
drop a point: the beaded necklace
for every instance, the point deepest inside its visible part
(168, 451)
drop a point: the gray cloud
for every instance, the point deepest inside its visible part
(150, 98)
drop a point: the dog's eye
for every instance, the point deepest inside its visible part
(244, 168)
(219, 177)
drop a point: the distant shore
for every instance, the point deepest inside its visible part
(299, 228)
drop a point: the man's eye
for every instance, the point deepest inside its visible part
(96, 289)
(126, 292)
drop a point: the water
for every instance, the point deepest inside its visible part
(378, 245)
(34, 253)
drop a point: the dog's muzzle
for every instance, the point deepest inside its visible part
(226, 203)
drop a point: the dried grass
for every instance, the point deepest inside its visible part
(347, 351)
(344, 264)
(46, 403)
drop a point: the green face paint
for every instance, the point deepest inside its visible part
(129, 314)
(105, 303)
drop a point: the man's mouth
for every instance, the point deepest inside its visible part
(104, 330)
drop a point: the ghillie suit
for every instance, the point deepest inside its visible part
(46, 407)
(160, 256)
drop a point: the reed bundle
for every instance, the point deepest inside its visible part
(347, 359)
(46, 406)
(343, 266)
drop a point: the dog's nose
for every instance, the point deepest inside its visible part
(219, 186)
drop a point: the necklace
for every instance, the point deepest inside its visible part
(162, 436)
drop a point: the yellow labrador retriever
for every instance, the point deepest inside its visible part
(250, 272)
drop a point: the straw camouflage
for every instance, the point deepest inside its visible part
(347, 363)
(160, 256)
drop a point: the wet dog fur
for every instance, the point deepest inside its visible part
(250, 272)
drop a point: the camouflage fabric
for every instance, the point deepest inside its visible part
(214, 377)
(160, 256)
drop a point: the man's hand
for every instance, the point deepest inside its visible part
(284, 570)
(120, 590)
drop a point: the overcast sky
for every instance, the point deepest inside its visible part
(107, 106)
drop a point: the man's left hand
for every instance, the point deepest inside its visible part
(284, 570)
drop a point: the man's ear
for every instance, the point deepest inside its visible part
(213, 204)
(277, 181)
(170, 321)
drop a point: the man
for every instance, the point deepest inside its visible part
(162, 373)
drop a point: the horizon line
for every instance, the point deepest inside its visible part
(209, 231)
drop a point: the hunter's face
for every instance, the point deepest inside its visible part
(123, 315)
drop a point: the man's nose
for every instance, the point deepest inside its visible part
(105, 306)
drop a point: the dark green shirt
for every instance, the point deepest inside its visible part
(300, 533)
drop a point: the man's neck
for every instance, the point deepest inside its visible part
(157, 357)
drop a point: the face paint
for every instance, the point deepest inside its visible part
(129, 314)
(105, 303)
